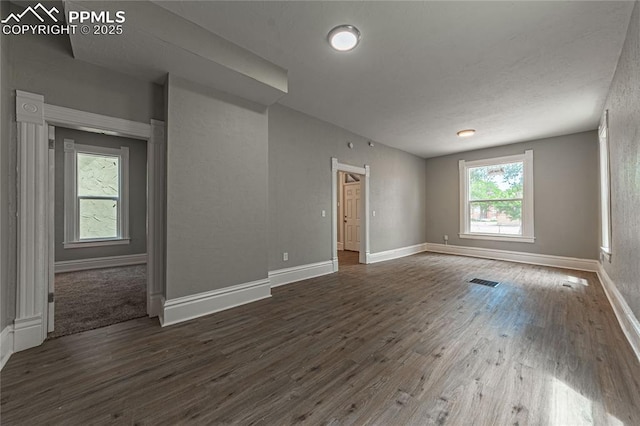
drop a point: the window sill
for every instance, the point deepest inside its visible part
(96, 243)
(512, 239)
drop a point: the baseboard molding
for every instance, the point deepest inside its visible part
(189, 307)
(100, 262)
(27, 333)
(6, 345)
(628, 321)
(396, 253)
(340, 246)
(154, 307)
(590, 265)
(299, 273)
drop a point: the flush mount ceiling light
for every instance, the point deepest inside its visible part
(466, 133)
(344, 38)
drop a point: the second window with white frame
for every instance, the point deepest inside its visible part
(96, 195)
(496, 198)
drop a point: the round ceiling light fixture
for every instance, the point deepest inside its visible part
(344, 38)
(466, 133)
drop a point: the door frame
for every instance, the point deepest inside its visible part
(365, 171)
(35, 186)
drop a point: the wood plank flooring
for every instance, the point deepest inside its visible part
(348, 258)
(408, 341)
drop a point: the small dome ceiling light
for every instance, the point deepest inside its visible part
(344, 38)
(466, 133)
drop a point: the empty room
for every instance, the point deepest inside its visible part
(294, 212)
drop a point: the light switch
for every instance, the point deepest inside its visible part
(324, 213)
(373, 213)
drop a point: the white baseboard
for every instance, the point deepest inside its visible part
(590, 265)
(100, 262)
(6, 345)
(299, 273)
(27, 333)
(628, 321)
(396, 253)
(154, 307)
(340, 246)
(189, 307)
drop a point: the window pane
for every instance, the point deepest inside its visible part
(98, 175)
(98, 219)
(496, 217)
(499, 181)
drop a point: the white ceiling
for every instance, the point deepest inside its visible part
(514, 71)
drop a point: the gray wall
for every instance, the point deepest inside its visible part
(7, 186)
(623, 104)
(45, 65)
(137, 195)
(565, 196)
(216, 190)
(300, 151)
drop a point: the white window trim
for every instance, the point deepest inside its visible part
(527, 200)
(71, 223)
(605, 187)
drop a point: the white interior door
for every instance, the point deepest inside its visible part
(352, 216)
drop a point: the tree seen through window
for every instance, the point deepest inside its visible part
(495, 198)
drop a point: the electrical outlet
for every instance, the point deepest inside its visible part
(324, 213)
(373, 213)
(446, 238)
(285, 256)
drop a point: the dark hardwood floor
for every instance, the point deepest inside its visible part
(408, 341)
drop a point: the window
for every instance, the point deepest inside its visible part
(96, 195)
(605, 188)
(496, 198)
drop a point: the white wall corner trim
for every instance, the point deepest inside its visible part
(6, 345)
(628, 321)
(156, 223)
(299, 273)
(197, 305)
(590, 265)
(397, 253)
(100, 262)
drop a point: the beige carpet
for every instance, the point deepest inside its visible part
(91, 299)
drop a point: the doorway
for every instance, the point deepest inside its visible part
(35, 228)
(100, 217)
(350, 214)
(349, 217)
